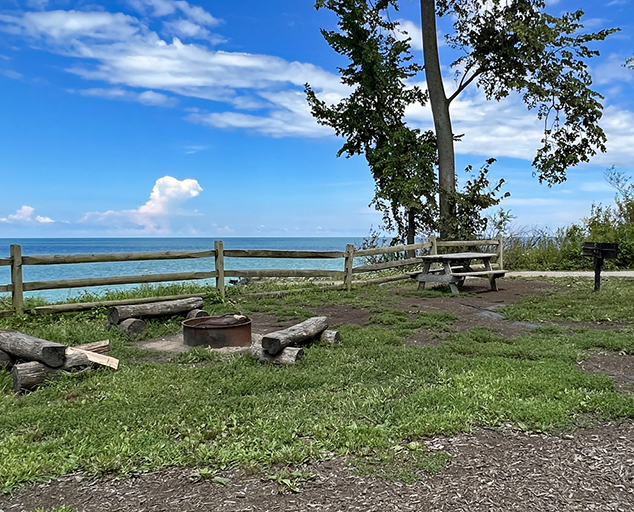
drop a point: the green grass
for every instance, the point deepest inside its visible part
(578, 302)
(369, 398)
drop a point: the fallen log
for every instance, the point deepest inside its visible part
(173, 307)
(29, 348)
(28, 376)
(330, 336)
(5, 360)
(132, 326)
(196, 313)
(275, 342)
(288, 356)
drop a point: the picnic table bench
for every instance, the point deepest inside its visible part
(456, 267)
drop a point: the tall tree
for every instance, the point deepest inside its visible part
(514, 46)
(402, 159)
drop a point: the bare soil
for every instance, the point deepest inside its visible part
(490, 470)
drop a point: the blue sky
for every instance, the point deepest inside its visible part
(187, 118)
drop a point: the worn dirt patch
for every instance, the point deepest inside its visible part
(620, 367)
(590, 469)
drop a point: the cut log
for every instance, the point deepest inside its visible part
(23, 346)
(288, 356)
(173, 307)
(6, 361)
(28, 376)
(93, 357)
(132, 325)
(99, 347)
(330, 336)
(196, 313)
(275, 342)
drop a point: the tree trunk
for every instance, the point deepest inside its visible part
(29, 348)
(27, 376)
(411, 231)
(288, 356)
(442, 118)
(275, 342)
(173, 307)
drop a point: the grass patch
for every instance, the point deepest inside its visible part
(578, 302)
(370, 398)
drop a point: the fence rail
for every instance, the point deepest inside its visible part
(17, 261)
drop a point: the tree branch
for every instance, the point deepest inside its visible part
(465, 83)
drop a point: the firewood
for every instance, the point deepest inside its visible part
(275, 342)
(196, 313)
(288, 356)
(29, 348)
(132, 326)
(93, 357)
(6, 361)
(116, 314)
(330, 336)
(28, 376)
(96, 346)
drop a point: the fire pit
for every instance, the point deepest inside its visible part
(218, 331)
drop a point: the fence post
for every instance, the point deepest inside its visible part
(500, 250)
(17, 294)
(434, 246)
(349, 261)
(220, 267)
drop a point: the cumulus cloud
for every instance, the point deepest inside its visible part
(25, 216)
(153, 217)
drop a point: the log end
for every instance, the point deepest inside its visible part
(132, 326)
(54, 356)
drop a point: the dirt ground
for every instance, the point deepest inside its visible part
(490, 470)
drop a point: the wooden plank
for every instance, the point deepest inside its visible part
(6, 288)
(458, 256)
(115, 280)
(61, 259)
(5, 262)
(81, 306)
(482, 273)
(466, 243)
(285, 273)
(266, 253)
(389, 249)
(93, 357)
(436, 278)
(7, 313)
(387, 264)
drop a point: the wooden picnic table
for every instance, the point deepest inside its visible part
(456, 267)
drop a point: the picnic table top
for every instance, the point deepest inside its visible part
(458, 256)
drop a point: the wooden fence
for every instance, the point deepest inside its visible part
(17, 261)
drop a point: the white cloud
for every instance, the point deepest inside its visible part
(153, 217)
(162, 8)
(613, 70)
(25, 216)
(149, 98)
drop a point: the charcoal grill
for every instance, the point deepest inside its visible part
(599, 251)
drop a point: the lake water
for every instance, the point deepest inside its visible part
(38, 246)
